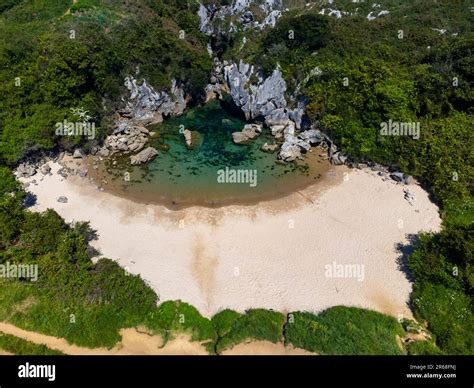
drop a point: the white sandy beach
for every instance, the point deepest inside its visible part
(271, 255)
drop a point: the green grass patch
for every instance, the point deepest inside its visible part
(423, 348)
(178, 317)
(344, 331)
(257, 324)
(20, 347)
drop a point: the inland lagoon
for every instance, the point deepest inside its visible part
(214, 172)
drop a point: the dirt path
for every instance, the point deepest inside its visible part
(133, 343)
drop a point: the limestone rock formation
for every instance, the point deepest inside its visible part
(144, 156)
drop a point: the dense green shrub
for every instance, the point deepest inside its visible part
(344, 330)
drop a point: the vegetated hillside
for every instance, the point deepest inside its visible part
(414, 64)
(54, 58)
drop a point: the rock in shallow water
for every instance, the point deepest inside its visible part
(269, 147)
(250, 131)
(144, 156)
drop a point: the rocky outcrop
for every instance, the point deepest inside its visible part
(217, 84)
(25, 170)
(126, 138)
(249, 132)
(216, 20)
(144, 106)
(289, 152)
(144, 156)
(77, 154)
(45, 169)
(293, 147)
(401, 178)
(255, 99)
(149, 106)
(313, 136)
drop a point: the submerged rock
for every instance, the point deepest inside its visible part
(269, 147)
(188, 137)
(144, 156)
(192, 138)
(240, 138)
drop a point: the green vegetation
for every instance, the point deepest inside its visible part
(360, 74)
(176, 316)
(21, 347)
(258, 324)
(51, 62)
(354, 75)
(343, 330)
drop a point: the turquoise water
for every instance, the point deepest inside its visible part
(180, 177)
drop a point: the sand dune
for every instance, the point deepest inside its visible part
(272, 255)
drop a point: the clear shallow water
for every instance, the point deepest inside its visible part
(180, 177)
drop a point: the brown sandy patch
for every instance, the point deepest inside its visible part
(203, 267)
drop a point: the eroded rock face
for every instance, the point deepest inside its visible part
(149, 106)
(144, 156)
(215, 19)
(144, 106)
(255, 99)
